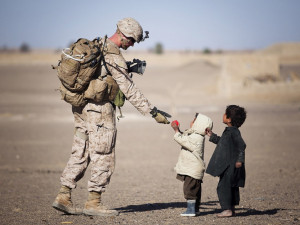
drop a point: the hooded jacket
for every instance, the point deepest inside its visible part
(191, 157)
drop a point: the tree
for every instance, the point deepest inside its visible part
(24, 48)
(206, 51)
(159, 48)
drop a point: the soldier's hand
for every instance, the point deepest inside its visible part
(160, 116)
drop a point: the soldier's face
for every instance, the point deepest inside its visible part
(127, 42)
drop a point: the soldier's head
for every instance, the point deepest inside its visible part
(130, 31)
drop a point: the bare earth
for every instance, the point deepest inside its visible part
(36, 137)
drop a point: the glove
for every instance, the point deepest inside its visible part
(160, 116)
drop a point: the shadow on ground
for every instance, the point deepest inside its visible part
(161, 206)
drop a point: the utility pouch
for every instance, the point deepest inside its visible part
(96, 91)
(119, 99)
(112, 89)
(74, 98)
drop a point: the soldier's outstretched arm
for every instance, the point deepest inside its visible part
(134, 95)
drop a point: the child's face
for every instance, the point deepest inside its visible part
(226, 120)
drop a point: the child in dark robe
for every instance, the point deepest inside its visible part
(228, 160)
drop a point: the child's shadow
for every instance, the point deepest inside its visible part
(204, 205)
(158, 206)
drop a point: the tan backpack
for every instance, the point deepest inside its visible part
(77, 68)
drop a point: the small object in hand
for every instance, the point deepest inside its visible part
(177, 123)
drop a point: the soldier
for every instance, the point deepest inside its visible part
(95, 126)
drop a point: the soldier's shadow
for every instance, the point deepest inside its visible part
(204, 205)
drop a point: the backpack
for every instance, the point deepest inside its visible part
(76, 69)
(79, 63)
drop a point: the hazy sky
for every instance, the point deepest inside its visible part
(177, 24)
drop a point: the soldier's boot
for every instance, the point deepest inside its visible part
(94, 207)
(64, 203)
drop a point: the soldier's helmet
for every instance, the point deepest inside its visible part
(131, 28)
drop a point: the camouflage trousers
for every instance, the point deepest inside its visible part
(94, 145)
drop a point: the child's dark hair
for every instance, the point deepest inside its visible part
(237, 115)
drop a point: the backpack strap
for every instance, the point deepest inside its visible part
(102, 55)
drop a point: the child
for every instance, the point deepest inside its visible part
(190, 166)
(228, 160)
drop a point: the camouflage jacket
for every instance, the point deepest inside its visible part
(117, 67)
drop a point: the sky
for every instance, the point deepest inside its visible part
(176, 24)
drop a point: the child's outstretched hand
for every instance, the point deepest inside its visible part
(175, 125)
(208, 131)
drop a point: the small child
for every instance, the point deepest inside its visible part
(190, 166)
(227, 161)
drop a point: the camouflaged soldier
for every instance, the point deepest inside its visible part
(95, 124)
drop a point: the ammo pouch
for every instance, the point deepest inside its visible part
(96, 91)
(102, 90)
(112, 88)
(74, 98)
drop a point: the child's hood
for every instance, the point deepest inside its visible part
(201, 123)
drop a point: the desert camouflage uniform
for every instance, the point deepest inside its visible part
(95, 128)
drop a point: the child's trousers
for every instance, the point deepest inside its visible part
(228, 196)
(191, 187)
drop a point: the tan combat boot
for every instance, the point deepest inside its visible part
(64, 203)
(93, 206)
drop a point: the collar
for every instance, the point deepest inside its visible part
(111, 47)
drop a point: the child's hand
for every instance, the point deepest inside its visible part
(175, 125)
(238, 165)
(208, 131)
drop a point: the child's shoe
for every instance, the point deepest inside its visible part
(190, 211)
(225, 213)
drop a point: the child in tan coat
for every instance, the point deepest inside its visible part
(190, 166)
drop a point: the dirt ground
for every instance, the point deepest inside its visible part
(36, 136)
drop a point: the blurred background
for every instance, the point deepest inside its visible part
(245, 49)
(190, 25)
